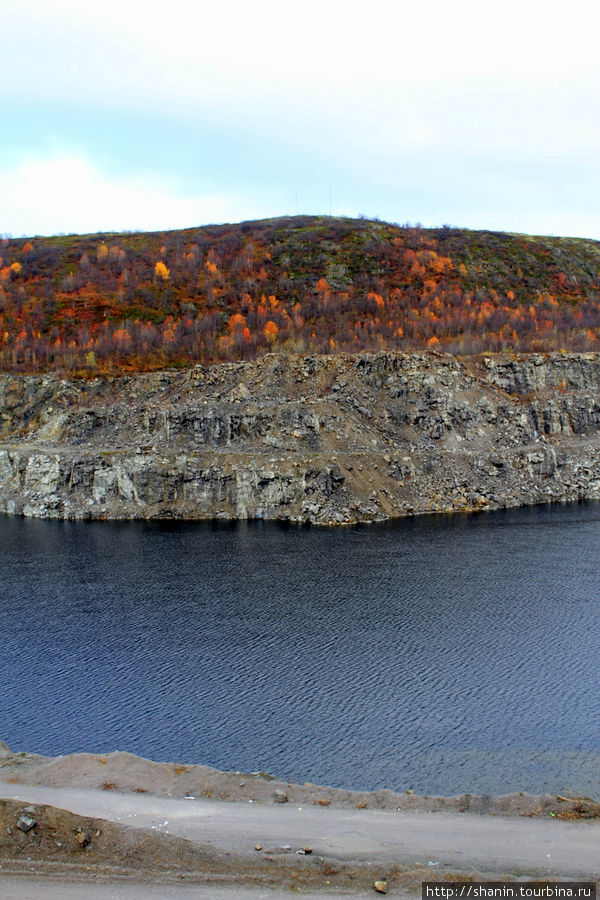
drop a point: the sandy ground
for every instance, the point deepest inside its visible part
(124, 827)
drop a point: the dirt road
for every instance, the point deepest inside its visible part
(371, 840)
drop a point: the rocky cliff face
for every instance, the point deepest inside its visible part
(320, 439)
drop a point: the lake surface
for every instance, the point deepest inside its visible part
(440, 654)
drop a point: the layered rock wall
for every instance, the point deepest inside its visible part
(335, 439)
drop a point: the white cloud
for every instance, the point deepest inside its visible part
(352, 92)
(391, 76)
(67, 194)
(209, 55)
(304, 43)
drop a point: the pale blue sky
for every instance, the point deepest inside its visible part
(147, 115)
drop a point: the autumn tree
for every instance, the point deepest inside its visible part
(161, 273)
(270, 331)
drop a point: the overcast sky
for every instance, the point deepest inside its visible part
(145, 115)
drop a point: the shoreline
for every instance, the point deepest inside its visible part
(125, 771)
(454, 511)
(121, 822)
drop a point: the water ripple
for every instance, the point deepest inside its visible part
(442, 654)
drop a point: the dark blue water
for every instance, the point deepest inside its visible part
(442, 654)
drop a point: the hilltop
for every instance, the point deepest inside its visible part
(138, 302)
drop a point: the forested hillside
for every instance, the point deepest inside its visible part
(134, 302)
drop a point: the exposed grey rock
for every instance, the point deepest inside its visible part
(82, 838)
(403, 434)
(26, 823)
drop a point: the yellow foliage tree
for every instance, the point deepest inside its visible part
(161, 271)
(271, 331)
